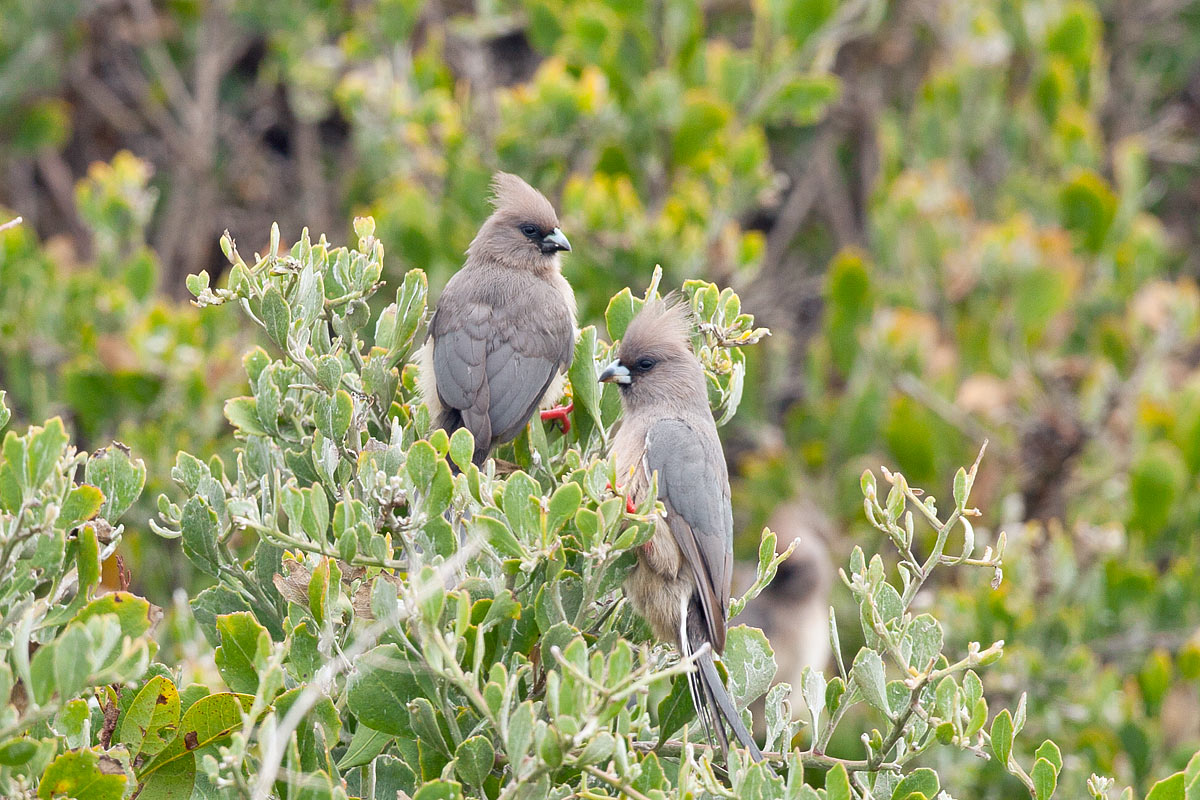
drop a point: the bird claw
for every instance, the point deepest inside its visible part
(559, 413)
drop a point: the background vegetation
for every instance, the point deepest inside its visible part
(960, 220)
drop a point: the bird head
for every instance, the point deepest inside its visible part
(523, 231)
(655, 363)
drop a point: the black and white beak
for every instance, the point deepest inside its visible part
(554, 241)
(616, 372)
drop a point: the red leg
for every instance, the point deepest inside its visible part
(629, 506)
(560, 413)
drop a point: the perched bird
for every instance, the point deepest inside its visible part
(682, 579)
(504, 330)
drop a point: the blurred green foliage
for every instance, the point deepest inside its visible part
(962, 221)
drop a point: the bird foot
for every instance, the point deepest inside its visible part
(560, 413)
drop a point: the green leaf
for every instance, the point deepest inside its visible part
(803, 100)
(1045, 779)
(383, 683)
(496, 534)
(927, 637)
(868, 673)
(520, 732)
(751, 663)
(850, 305)
(211, 603)
(71, 663)
(198, 282)
(69, 722)
(245, 645)
(17, 751)
(521, 506)
(171, 781)
(473, 760)
(837, 784)
(366, 745)
(421, 463)
(1002, 737)
(318, 591)
(334, 414)
(923, 781)
(1156, 480)
(393, 776)
(152, 719)
(585, 381)
(81, 504)
(676, 709)
(1088, 207)
(701, 120)
(83, 775)
(41, 673)
(200, 533)
(960, 488)
(45, 448)
(208, 721)
(5, 414)
(1169, 788)
(813, 685)
(329, 372)
(87, 562)
(276, 316)
(1191, 775)
(620, 312)
(563, 505)
(462, 447)
(132, 612)
(242, 413)
(1049, 751)
(439, 790)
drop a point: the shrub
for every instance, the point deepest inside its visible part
(384, 623)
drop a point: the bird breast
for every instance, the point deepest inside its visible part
(661, 554)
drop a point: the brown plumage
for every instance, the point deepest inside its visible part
(681, 582)
(504, 330)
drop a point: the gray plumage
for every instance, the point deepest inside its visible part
(504, 330)
(682, 579)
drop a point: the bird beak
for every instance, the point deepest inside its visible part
(616, 372)
(555, 241)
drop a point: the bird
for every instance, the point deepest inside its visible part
(681, 581)
(793, 610)
(503, 334)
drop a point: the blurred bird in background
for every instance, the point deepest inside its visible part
(793, 610)
(504, 330)
(682, 579)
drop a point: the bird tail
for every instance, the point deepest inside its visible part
(713, 704)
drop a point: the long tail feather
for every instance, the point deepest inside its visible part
(696, 685)
(721, 705)
(713, 704)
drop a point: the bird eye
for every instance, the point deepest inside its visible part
(645, 364)
(529, 230)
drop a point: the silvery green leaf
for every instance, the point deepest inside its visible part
(813, 685)
(868, 673)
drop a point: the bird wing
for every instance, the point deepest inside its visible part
(460, 332)
(693, 484)
(493, 361)
(527, 352)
